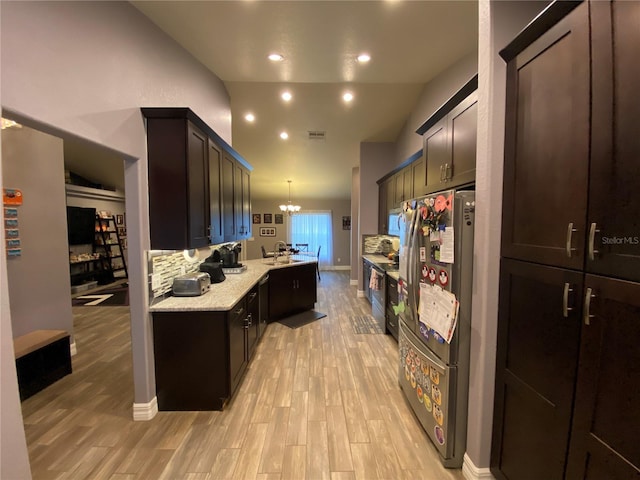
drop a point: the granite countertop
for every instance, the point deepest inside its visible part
(224, 295)
(378, 259)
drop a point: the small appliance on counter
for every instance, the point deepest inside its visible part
(191, 284)
(214, 269)
(229, 254)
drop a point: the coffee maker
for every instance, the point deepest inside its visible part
(229, 255)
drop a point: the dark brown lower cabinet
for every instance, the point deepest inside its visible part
(567, 402)
(605, 440)
(537, 358)
(201, 357)
(291, 290)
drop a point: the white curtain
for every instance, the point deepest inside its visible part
(313, 228)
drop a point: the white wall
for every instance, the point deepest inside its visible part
(85, 69)
(39, 284)
(433, 96)
(376, 159)
(500, 21)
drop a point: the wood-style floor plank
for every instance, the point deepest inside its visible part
(318, 402)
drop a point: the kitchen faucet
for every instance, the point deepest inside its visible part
(276, 249)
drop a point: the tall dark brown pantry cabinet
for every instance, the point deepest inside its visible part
(568, 360)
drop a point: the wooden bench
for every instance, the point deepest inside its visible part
(42, 358)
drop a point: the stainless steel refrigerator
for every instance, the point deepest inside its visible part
(434, 306)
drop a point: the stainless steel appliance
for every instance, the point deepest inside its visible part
(436, 257)
(191, 284)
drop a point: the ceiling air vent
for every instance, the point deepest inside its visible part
(316, 135)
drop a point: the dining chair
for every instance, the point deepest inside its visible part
(318, 263)
(303, 247)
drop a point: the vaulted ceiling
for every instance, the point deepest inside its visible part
(410, 42)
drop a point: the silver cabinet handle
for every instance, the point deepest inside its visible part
(587, 306)
(441, 173)
(592, 238)
(447, 172)
(565, 300)
(570, 231)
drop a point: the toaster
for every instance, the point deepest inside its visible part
(191, 284)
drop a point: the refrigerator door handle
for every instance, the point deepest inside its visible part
(427, 353)
(570, 231)
(565, 300)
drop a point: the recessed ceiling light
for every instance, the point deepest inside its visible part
(364, 57)
(347, 97)
(276, 57)
(286, 96)
(250, 117)
(284, 135)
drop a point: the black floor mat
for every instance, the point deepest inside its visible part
(114, 297)
(301, 319)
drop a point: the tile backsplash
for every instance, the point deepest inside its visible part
(372, 244)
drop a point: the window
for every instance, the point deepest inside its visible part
(313, 228)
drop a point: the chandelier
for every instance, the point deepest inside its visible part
(289, 208)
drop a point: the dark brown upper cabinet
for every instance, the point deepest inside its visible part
(449, 143)
(547, 146)
(613, 224)
(186, 178)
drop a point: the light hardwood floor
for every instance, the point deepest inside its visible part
(318, 402)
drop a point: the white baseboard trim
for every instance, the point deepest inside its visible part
(145, 411)
(471, 472)
(360, 293)
(339, 267)
(72, 348)
(353, 282)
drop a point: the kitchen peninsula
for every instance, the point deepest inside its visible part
(203, 344)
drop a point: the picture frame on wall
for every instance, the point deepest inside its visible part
(119, 219)
(279, 217)
(267, 232)
(346, 223)
(268, 218)
(256, 218)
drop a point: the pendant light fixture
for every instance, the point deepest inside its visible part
(289, 208)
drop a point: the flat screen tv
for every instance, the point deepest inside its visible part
(81, 224)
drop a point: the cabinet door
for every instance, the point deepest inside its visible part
(215, 193)
(228, 196)
(391, 193)
(436, 154)
(614, 201)
(243, 202)
(604, 439)
(407, 183)
(398, 180)
(547, 146)
(306, 286)
(237, 343)
(463, 124)
(383, 209)
(538, 341)
(280, 293)
(417, 171)
(253, 325)
(198, 187)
